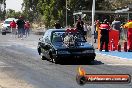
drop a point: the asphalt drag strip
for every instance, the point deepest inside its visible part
(29, 67)
(29, 71)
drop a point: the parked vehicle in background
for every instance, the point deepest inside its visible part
(6, 24)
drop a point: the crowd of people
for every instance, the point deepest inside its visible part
(105, 27)
(20, 28)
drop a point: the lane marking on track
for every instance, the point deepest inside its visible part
(113, 56)
(119, 64)
(2, 64)
(5, 66)
(5, 44)
(18, 43)
(26, 45)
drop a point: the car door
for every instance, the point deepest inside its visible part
(46, 45)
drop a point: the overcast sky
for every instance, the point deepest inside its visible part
(14, 4)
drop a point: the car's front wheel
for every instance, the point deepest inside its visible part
(43, 57)
(90, 59)
(39, 50)
(55, 59)
(41, 54)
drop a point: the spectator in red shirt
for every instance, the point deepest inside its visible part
(13, 28)
(104, 39)
(27, 28)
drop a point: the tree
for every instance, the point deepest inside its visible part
(2, 9)
(12, 14)
(120, 3)
(50, 11)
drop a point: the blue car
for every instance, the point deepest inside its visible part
(57, 44)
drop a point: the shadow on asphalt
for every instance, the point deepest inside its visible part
(95, 62)
(77, 62)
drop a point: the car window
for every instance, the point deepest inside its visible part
(80, 38)
(7, 22)
(46, 37)
(46, 34)
(57, 36)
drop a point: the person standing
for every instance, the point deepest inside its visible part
(80, 26)
(27, 28)
(104, 36)
(13, 28)
(97, 24)
(116, 25)
(89, 30)
(57, 25)
(20, 24)
(128, 26)
(85, 30)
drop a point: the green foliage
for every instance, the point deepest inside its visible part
(12, 14)
(49, 11)
(120, 3)
(2, 9)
